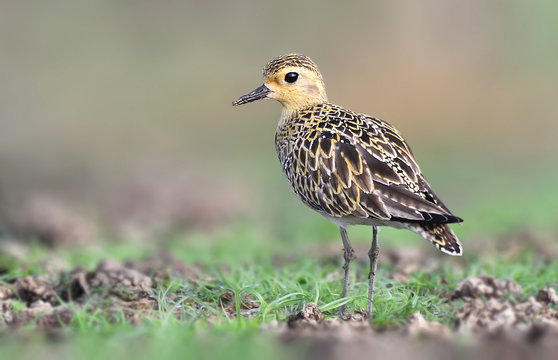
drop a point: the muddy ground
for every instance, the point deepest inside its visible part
(492, 317)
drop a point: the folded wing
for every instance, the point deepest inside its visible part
(364, 168)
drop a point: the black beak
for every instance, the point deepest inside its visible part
(259, 93)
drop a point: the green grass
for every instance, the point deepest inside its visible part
(280, 279)
(281, 263)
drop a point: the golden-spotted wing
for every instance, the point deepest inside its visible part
(364, 168)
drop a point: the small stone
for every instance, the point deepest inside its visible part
(5, 292)
(548, 296)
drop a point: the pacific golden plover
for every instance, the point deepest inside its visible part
(351, 168)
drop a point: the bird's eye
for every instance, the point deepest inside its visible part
(291, 77)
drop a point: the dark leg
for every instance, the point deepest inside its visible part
(348, 255)
(373, 255)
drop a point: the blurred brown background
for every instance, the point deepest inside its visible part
(123, 108)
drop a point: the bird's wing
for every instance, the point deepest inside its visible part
(361, 166)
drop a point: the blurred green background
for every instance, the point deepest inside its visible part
(116, 125)
(98, 96)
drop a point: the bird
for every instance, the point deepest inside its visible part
(352, 168)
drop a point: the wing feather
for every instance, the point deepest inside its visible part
(347, 164)
(363, 167)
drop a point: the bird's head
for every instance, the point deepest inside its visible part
(293, 80)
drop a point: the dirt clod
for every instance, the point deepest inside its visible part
(163, 267)
(5, 292)
(479, 316)
(309, 315)
(136, 309)
(227, 297)
(496, 316)
(34, 288)
(6, 313)
(31, 313)
(229, 306)
(112, 287)
(56, 319)
(548, 296)
(355, 317)
(485, 286)
(311, 324)
(419, 327)
(122, 281)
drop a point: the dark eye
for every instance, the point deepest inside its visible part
(291, 77)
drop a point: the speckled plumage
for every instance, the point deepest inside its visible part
(357, 169)
(292, 60)
(349, 167)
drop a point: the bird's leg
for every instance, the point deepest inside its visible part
(373, 255)
(348, 255)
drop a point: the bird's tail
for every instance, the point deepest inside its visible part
(440, 235)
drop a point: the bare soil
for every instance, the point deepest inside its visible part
(486, 327)
(493, 317)
(49, 301)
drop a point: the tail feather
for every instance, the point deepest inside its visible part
(440, 235)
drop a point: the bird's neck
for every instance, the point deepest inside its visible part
(290, 110)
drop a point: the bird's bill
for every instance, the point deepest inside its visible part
(259, 93)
